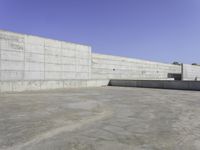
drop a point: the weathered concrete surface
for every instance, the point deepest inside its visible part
(190, 72)
(161, 84)
(26, 57)
(30, 62)
(19, 86)
(109, 118)
(115, 67)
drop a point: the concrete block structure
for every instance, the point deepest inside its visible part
(32, 63)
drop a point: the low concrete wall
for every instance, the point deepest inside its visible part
(18, 86)
(179, 85)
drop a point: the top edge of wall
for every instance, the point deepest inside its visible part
(131, 58)
(195, 66)
(43, 37)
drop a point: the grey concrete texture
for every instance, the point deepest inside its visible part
(32, 63)
(39, 61)
(190, 72)
(19, 86)
(26, 57)
(115, 67)
(110, 118)
(162, 84)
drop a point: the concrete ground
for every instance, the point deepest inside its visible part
(108, 118)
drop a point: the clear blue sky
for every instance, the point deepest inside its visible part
(159, 30)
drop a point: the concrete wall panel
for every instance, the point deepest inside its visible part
(12, 65)
(52, 43)
(31, 48)
(113, 67)
(33, 57)
(82, 75)
(34, 75)
(69, 75)
(69, 53)
(53, 51)
(34, 41)
(34, 66)
(53, 67)
(27, 57)
(68, 60)
(12, 75)
(53, 75)
(53, 59)
(30, 62)
(70, 68)
(12, 46)
(190, 72)
(12, 55)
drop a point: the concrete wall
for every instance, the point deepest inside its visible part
(33, 63)
(190, 72)
(25, 57)
(113, 67)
